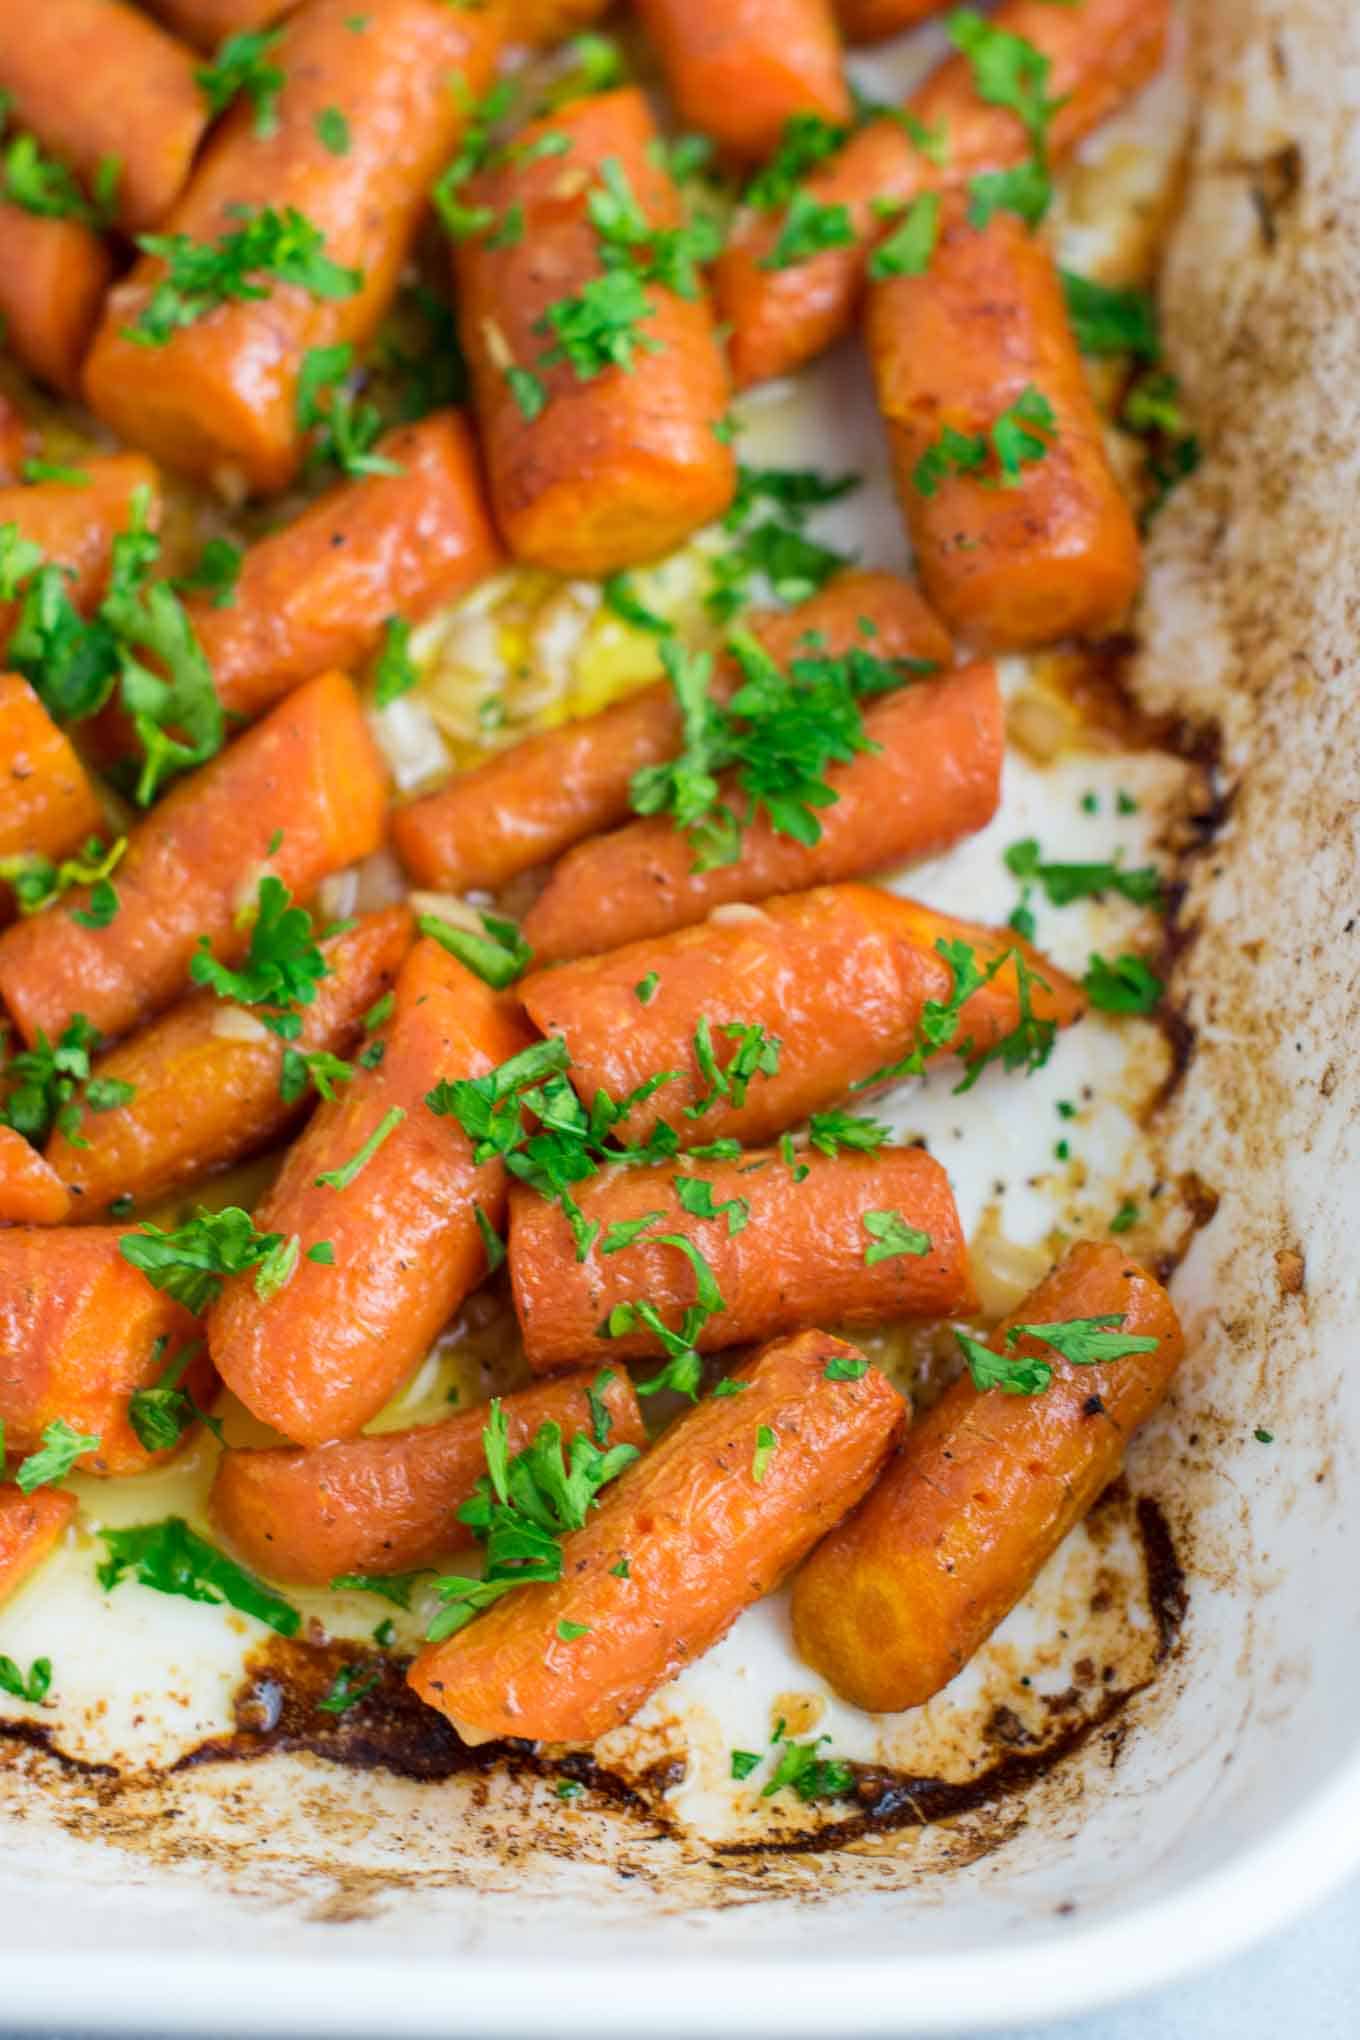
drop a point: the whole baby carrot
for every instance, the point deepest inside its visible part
(30, 1526)
(739, 70)
(31, 1193)
(53, 282)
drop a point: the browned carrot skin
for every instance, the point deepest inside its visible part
(31, 1193)
(875, 20)
(203, 1097)
(58, 63)
(1056, 554)
(1101, 52)
(207, 23)
(309, 773)
(622, 466)
(75, 523)
(987, 1486)
(840, 975)
(47, 804)
(53, 281)
(799, 1254)
(535, 799)
(79, 1331)
(323, 1355)
(219, 399)
(389, 1503)
(934, 778)
(738, 70)
(30, 1526)
(734, 1495)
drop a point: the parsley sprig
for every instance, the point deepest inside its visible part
(1081, 1342)
(241, 69)
(240, 267)
(191, 1261)
(282, 968)
(1028, 1045)
(171, 1558)
(49, 1085)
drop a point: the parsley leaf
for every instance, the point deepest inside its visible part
(767, 1442)
(345, 428)
(347, 1689)
(216, 573)
(696, 1198)
(1124, 986)
(43, 1083)
(1107, 321)
(281, 969)
(1081, 1342)
(394, 674)
(341, 1178)
(35, 1687)
(809, 228)
(171, 1558)
(597, 326)
(62, 1445)
(806, 141)
(907, 250)
(1021, 435)
(812, 1777)
(1028, 1045)
(332, 130)
(37, 881)
(1008, 71)
(161, 1414)
(240, 67)
(190, 1261)
(317, 1067)
(891, 1236)
(394, 1587)
(1064, 883)
(840, 1369)
(831, 1132)
(498, 956)
(282, 247)
(756, 1055)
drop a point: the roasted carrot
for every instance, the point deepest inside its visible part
(1053, 552)
(207, 23)
(935, 777)
(734, 1495)
(535, 799)
(15, 441)
(324, 1354)
(800, 1250)
(591, 468)
(390, 1503)
(841, 976)
(75, 523)
(1101, 52)
(53, 282)
(308, 774)
(29, 1528)
(47, 804)
(98, 83)
(543, 22)
(31, 1193)
(874, 20)
(219, 397)
(988, 1485)
(205, 1078)
(739, 70)
(79, 1331)
(317, 592)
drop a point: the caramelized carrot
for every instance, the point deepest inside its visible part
(875, 20)
(309, 773)
(15, 441)
(98, 83)
(47, 805)
(207, 23)
(1055, 554)
(935, 777)
(1101, 52)
(841, 976)
(535, 799)
(29, 1528)
(988, 1485)
(317, 592)
(390, 1503)
(75, 523)
(53, 281)
(323, 1355)
(543, 22)
(31, 1193)
(798, 1251)
(734, 1495)
(80, 1329)
(740, 69)
(616, 466)
(219, 397)
(205, 1078)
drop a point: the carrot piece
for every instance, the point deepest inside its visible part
(56, 63)
(799, 1252)
(988, 1485)
(206, 23)
(317, 592)
(709, 1521)
(535, 799)
(323, 1355)
(874, 20)
(15, 441)
(541, 23)
(935, 777)
(75, 523)
(1057, 554)
(621, 466)
(205, 1093)
(30, 1526)
(47, 805)
(80, 1329)
(840, 975)
(390, 1503)
(1101, 52)
(31, 1193)
(53, 282)
(740, 69)
(219, 398)
(309, 773)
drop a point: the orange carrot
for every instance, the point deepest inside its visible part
(935, 777)
(53, 282)
(207, 23)
(801, 1250)
(389, 1503)
(309, 773)
(16, 441)
(205, 1078)
(535, 799)
(875, 20)
(1101, 52)
(1055, 553)
(47, 805)
(29, 1528)
(740, 69)
(75, 523)
(219, 397)
(31, 1193)
(79, 1331)
(323, 1355)
(988, 1485)
(841, 976)
(541, 23)
(735, 1494)
(593, 471)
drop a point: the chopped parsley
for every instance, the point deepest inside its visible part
(240, 267)
(1028, 1045)
(806, 141)
(62, 1445)
(1022, 434)
(47, 1085)
(841, 1369)
(282, 968)
(37, 881)
(1010, 72)
(1124, 986)
(332, 131)
(809, 228)
(216, 573)
(346, 427)
(767, 1444)
(833, 1132)
(394, 1587)
(348, 1688)
(644, 991)
(800, 1769)
(1081, 1342)
(498, 956)
(683, 1368)
(33, 1686)
(890, 1237)
(756, 1054)
(241, 69)
(39, 184)
(568, 1632)
(341, 1178)
(1126, 1218)
(907, 250)
(317, 1068)
(1107, 321)
(161, 1414)
(171, 1558)
(190, 1262)
(394, 673)
(696, 1199)
(1064, 883)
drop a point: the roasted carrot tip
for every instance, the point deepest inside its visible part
(30, 1526)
